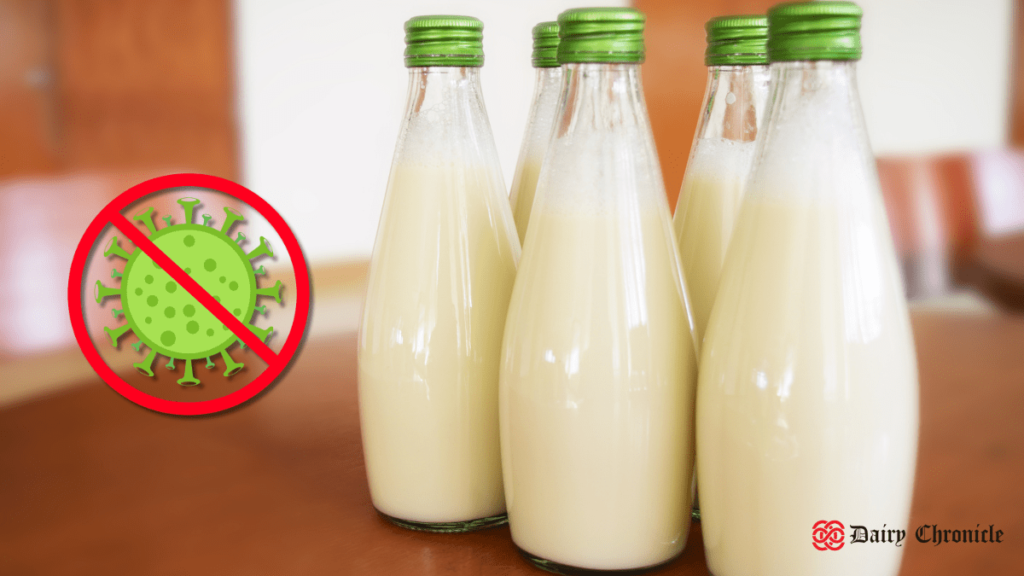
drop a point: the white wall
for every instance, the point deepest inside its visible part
(935, 74)
(322, 88)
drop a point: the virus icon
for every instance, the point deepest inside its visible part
(164, 316)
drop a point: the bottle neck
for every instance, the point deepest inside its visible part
(734, 103)
(817, 75)
(601, 97)
(546, 81)
(814, 141)
(816, 98)
(442, 89)
(547, 89)
(446, 120)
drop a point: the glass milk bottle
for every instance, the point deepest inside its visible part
(722, 151)
(807, 405)
(439, 284)
(598, 370)
(547, 86)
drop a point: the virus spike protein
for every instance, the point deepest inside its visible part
(189, 205)
(189, 379)
(105, 292)
(273, 291)
(230, 217)
(147, 219)
(116, 333)
(232, 366)
(113, 248)
(146, 366)
(262, 250)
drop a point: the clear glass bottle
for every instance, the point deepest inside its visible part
(599, 368)
(547, 88)
(807, 406)
(722, 152)
(439, 283)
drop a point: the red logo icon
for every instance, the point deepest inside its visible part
(226, 322)
(828, 535)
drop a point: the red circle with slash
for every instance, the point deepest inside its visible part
(111, 214)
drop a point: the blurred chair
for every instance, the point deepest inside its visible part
(944, 209)
(996, 264)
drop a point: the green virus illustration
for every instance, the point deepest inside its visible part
(164, 316)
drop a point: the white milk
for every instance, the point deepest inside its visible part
(430, 343)
(712, 190)
(596, 391)
(535, 145)
(524, 187)
(807, 401)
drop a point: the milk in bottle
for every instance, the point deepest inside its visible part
(807, 400)
(722, 151)
(547, 86)
(598, 368)
(439, 284)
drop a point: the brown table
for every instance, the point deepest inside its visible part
(91, 484)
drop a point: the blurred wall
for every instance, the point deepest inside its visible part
(935, 76)
(322, 89)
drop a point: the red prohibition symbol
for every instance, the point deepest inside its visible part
(111, 215)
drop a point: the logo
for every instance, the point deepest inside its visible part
(932, 533)
(828, 535)
(188, 292)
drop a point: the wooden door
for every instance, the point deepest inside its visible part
(116, 85)
(147, 85)
(28, 121)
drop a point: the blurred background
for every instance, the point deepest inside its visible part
(301, 102)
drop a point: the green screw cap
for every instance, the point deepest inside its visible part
(545, 45)
(444, 41)
(736, 40)
(601, 35)
(814, 31)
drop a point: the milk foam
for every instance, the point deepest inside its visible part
(712, 190)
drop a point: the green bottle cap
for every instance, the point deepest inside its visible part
(444, 41)
(814, 31)
(601, 35)
(736, 40)
(545, 45)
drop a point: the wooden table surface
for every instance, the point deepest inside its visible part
(91, 484)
